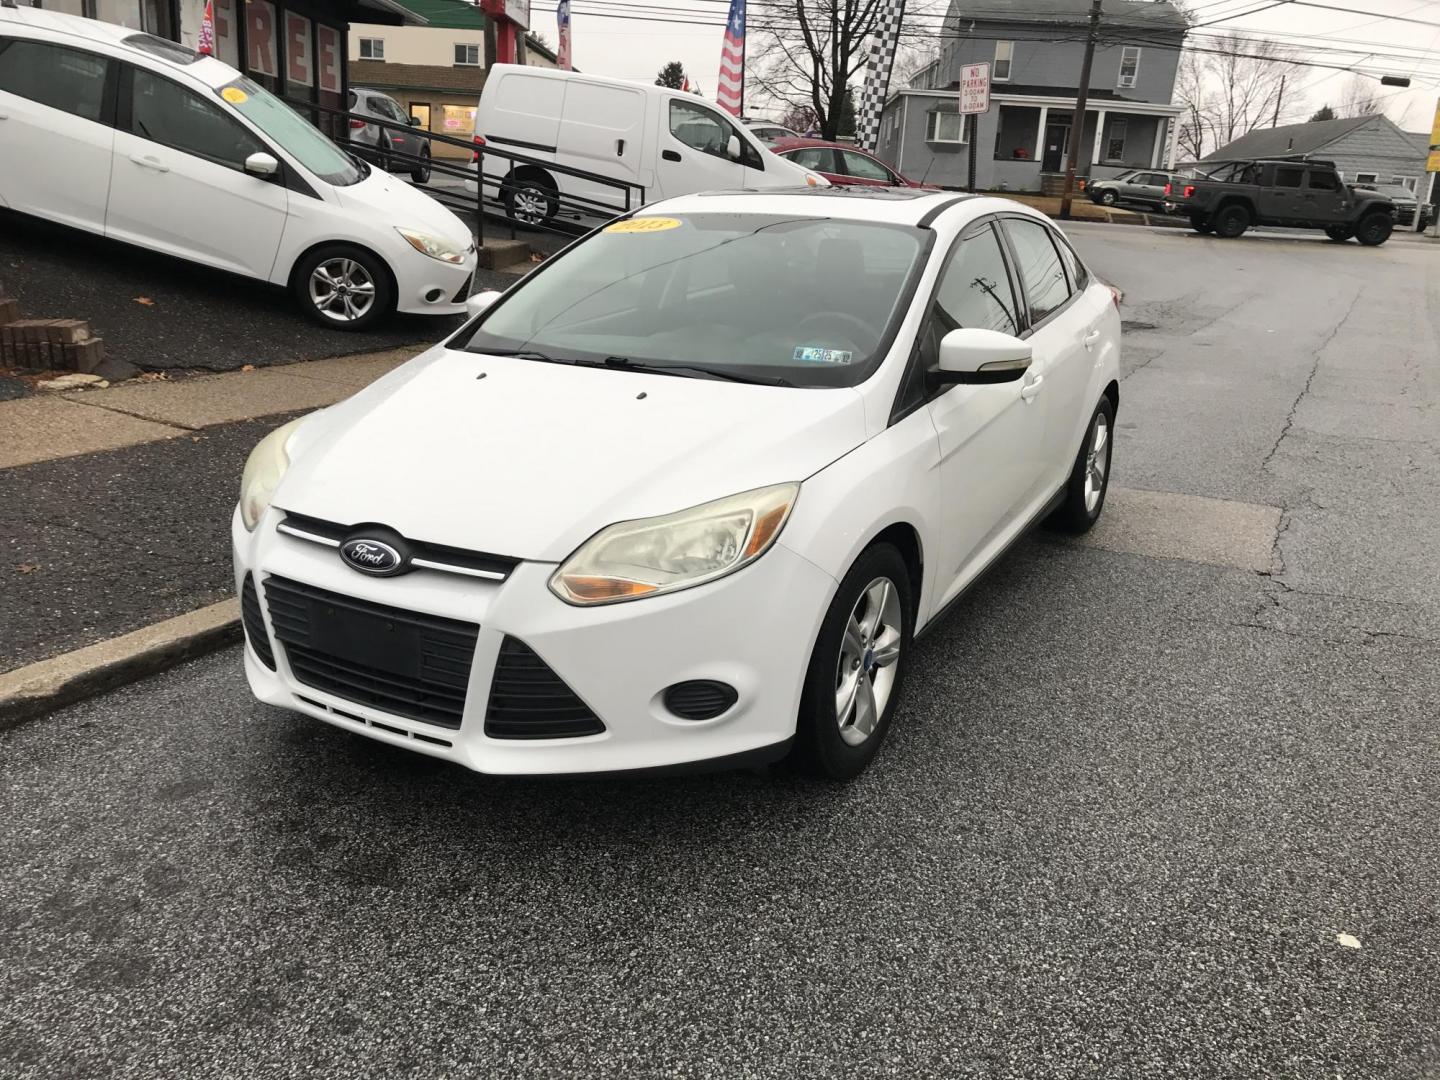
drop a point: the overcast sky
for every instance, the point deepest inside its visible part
(636, 49)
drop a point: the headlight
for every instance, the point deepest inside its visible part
(263, 470)
(677, 551)
(433, 246)
(816, 180)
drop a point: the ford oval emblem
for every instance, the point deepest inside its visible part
(371, 556)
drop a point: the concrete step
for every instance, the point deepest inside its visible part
(500, 254)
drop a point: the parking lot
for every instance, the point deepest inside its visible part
(1145, 796)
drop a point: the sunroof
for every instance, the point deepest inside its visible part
(160, 47)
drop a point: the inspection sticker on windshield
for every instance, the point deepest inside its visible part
(234, 95)
(644, 224)
(812, 354)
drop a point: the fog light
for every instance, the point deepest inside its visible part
(700, 699)
(434, 296)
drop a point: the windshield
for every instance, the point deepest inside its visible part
(293, 133)
(810, 301)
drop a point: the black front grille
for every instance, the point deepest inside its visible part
(529, 701)
(497, 565)
(402, 662)
(255, 623)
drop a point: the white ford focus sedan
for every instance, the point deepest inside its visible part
(686, 493)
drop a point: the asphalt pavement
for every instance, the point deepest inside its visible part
(1139, 816)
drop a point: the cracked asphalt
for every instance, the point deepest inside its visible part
(1134, 817)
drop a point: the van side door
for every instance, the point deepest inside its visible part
(602, 130)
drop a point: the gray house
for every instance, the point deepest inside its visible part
(1365, 149)
(1035, 49)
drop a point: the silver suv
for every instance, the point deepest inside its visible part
(1144, 186)
(390, 148)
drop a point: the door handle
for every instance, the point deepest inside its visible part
(669, 155)
(1092, 337)
(1032, 388)
(149, 163)
(619, 147)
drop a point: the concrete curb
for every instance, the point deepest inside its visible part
(29, 692)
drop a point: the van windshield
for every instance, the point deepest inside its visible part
(752, 297)
(293, 133)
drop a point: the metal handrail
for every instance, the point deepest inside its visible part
(634, 194)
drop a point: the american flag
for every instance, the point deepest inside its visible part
(562, 16)
(730, 91)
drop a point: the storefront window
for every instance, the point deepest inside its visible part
(262, 60)
(458, 120)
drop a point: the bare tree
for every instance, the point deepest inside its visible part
(1194, 136)
(808, 52)
(1235, 86)
(1360, 97)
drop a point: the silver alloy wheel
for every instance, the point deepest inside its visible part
(529, 205)
(341, 289)
(1097, 461)
(869, 652)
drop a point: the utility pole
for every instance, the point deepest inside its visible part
(1077, 123)
(1278, 98)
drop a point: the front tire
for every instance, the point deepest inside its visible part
(343, 287)
(1231, 221)
(1090, 476)
(856, 672)
(1375, 229)
(421, 173)
(1107, 198)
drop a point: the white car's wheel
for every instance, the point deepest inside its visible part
(856, 672)
(343, 287)
(1090, 476)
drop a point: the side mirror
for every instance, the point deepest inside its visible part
(414, 121)
(479, 302)
(262, 165)
(733, 148)
(972, 355)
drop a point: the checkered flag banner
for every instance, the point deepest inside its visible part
(883, 43)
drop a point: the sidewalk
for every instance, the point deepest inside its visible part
(115, 504)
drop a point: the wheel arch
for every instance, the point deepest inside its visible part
(310, 249)
(534, 173)
(1112, 391)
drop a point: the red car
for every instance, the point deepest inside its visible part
(842, 164)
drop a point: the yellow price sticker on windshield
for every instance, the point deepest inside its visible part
(234, 95)
(644, 225)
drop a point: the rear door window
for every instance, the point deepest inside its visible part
(65, 79)
(1041, 272)
(1289, 176)
(819, 158)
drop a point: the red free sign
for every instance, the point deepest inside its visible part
(974, 89)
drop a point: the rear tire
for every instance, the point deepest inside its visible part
(1201, 225)
(421, 173)
(530, 201)
(1374, 229)
(1231, 221)
(344, 287)
(1339, 233)
(857, 670)
(1090, 476)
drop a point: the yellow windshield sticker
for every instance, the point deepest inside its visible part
(644, 225)
(234, 95)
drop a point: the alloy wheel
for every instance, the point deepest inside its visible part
(342, 290)
(869, 654)
(530, 205)
(1097, 462)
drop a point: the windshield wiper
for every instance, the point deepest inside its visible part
(699, 369)
(526, 354)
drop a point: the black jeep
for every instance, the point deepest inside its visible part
(1294, 192)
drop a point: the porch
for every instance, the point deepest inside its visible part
(1032, 141)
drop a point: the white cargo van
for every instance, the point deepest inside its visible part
(663, 142)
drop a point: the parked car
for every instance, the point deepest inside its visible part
(768, 132)
(393, 149)
(666, 142)
(1142, 187)
(142, 140)
(1295, 193)
(842, 163)
(1406, 205)
(733, 453)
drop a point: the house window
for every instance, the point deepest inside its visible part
(1366, 177)
(372, 48)
(944, 127)
(1004, 53)
(467, 55)
(1115, 145)
(1408, 182)
(1129, 64)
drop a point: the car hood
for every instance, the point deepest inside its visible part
(385, 198)
(533, 458)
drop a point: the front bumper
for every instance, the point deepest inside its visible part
(426, 286)
(752, 630)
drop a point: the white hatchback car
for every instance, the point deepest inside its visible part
(142, 140)
(686, 492)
